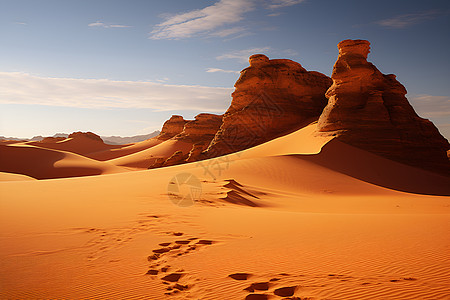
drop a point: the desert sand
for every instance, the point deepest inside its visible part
(284, 196)
(298, 216)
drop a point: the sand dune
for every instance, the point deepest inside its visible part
(43, 163)
(145, 158)
(283, 219)
(14, 177)
(123, 150)
(79, 144)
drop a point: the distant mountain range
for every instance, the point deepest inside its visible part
(119, 140)
(112, 140)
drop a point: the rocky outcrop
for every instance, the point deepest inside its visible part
(202, 129)
(89, 135)
(172, 127)
(196, 152)
(272, 97)
(177, 158)
(369, 110)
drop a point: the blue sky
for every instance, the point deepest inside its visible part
(123, 67)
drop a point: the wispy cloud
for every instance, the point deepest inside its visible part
(23, 88)
(104, 25)
(215, 70)
(431, 106)
(214, 20)
(283, 3)
(406, 20)
(228, 31)
(20, 23)
(208, 19)
(243, 55)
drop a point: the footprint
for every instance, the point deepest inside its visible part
(256, 297)
(240, 276)
(258, 286)
(180, 287)
(152, 272)
(182, 242)
(174, 277)
(177, 233)
(274, 279)
(161, 250)
(153, 257)
(285, 291)
(409, 278)
(165, 244)
(205, 242)
(164, 269)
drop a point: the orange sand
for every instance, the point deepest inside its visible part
(323, 225)
(43, 163)
(145, 158)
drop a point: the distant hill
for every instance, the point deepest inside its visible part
(11, 138)
(112, 140)
(118, 140)
(39, 138)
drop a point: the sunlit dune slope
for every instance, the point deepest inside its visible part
(145, 158)
(124, 150)
(14, 177)
(43, 163)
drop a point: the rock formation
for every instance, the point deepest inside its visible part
(177, 158)
(198, 132)
(272, 97)
(369, 110)
(172, 127)
(196, 151)
(89, 135)
(202, 129)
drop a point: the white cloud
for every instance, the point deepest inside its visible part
(243, 55)
(215, 70)
(104, 25)
(283, 3)
(23, 88)
(206, 20)
(214, 20)
(274, 15)
(228, 31)
(406, 20)
(20, 23)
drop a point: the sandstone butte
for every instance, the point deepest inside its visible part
(172, 127)
(199, 132)
(271, 98)
(369, 110)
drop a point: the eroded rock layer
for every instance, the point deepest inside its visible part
(172, 127)
(272, 97)
(369, 110)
